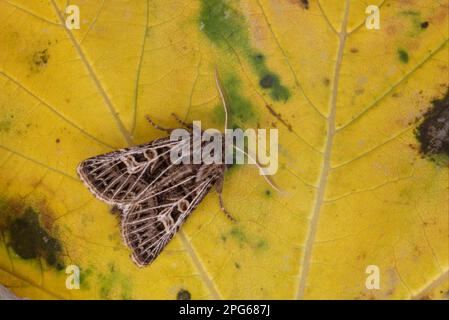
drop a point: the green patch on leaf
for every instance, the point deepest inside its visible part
(403, 55)
(261, 245)
(27, 237)
(115, 285)
(240, 109)
(226, 27)
(5, 125)
(416, 24)
(221, 23)
(238, 234)
(267, 79)
(242, 239)
(84, 275)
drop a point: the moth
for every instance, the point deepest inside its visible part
(154, 195)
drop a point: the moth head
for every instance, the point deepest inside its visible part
(183, 205)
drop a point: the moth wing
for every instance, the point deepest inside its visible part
(120, 177)
(149, 225)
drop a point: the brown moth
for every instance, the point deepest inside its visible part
(155, 195)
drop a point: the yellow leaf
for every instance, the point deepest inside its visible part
(346, 100)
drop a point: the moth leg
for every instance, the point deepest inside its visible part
(223, 209)
(219, 188)
(156, 126)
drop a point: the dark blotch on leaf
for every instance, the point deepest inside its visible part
(183, 295)
(59, 266)
(258, 58)
(403, 55)
(41, 58)
(29, 240)
(424, 25)
(268, 81)
(305, 3)
(278, 91)
(433, 132)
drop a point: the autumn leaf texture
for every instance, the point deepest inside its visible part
(363, 145)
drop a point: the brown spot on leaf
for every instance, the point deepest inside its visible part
(433, 132)
(305, 4)
(279, 117)
(40, 58)
(302, 3)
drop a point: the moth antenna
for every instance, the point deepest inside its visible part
(267, 179)
(222, 93)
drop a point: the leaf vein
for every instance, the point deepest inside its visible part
(126, 134)
(310, 238)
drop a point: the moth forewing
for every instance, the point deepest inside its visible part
(117, 177)
(148, 226)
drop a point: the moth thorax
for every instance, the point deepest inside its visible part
(183, 205)
(150, 154)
